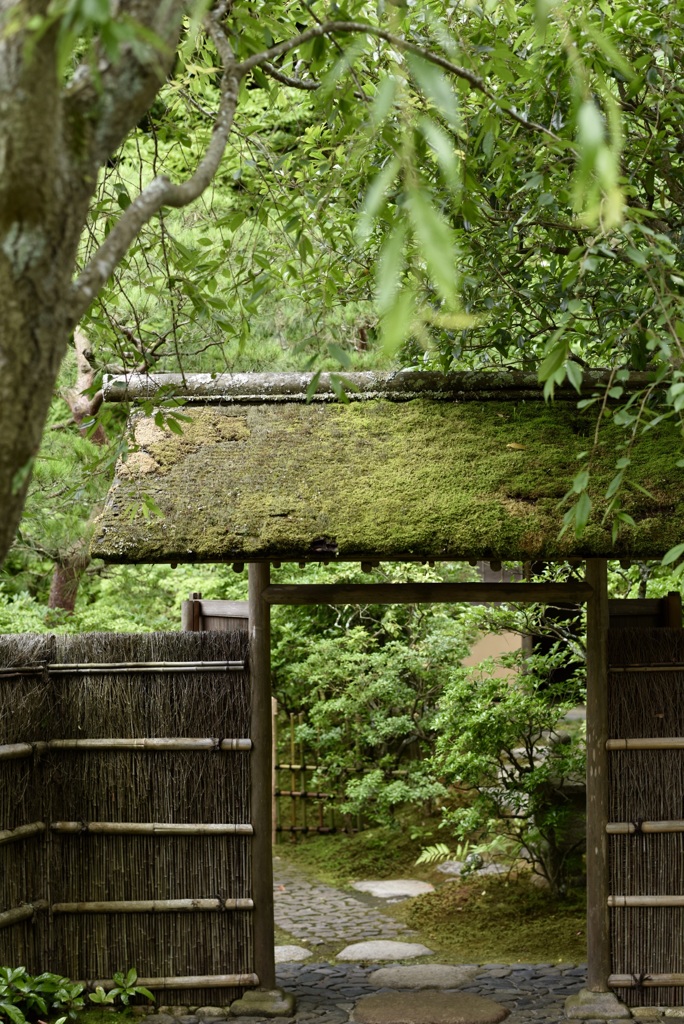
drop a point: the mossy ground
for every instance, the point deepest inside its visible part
(499, 920)
(491, 919)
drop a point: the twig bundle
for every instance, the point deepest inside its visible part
(647, 786)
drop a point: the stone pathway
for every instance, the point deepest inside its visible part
(325, 920)
(319, 915)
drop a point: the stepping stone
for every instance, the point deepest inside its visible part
(383, 949)
(392, 889)
(288, 954)
(417, 976)
(454, 867)
(427, 1007)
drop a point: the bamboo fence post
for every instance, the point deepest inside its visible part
(261, 775)
(598, 920)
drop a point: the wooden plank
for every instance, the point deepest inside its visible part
(225, 609)
(647, 743)
(645, 901)
(149, 828)
(420, 593)
(598, 920)
(150, 906)
(261, 774)
(628, 828)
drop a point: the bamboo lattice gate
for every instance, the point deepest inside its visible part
(125, 828)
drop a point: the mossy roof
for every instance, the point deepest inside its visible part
(379, 479)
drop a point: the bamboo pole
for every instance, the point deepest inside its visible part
(261, 774)
(646, 901)
(628, 828)
(11, 835)
(184, 982)
(667, 666)
(12, 751)
(598, 922)
(416, 593)
(150, 906)
(143, 828)
(17, 914)
(647, 981)
(647, 743)
(130, 667)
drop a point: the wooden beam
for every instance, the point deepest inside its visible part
(598, 921)
(261, 774)
(417, 593)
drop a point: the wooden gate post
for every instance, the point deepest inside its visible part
(261, 774)
(598, 921)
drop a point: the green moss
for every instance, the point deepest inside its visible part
(492, 919)
(423, 478)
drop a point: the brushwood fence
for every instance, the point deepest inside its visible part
(646, 826)
(125, 810)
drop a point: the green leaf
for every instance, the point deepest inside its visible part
(375, 198)
(436, 242)
(582, 512)
(437, 86)
(673, 555)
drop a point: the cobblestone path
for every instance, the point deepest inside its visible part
(317, 914)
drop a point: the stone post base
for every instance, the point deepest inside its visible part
(264, 1003)
(586, 1005)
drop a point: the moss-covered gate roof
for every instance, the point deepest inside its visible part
(421, 478)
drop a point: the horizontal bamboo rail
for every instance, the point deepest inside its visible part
(18, 914)
(417, 593)
(150, 906)
(12, 751)
(125, 667)
(17, 750)
(647, 981)
(628, 828)
(667, 666)
(647, 743)
(144, 828)
(200, 981)
(646, 901)
(11, 835)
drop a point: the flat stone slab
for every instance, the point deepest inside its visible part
(587, 1005)
(290, 954)
(427, 1007)
(417, 976)
(393, 888)
(383, 949)
(454, 867)
(264, 1003)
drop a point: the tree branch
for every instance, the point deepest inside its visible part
(295, 83)
(160, 192)
(358, 27)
